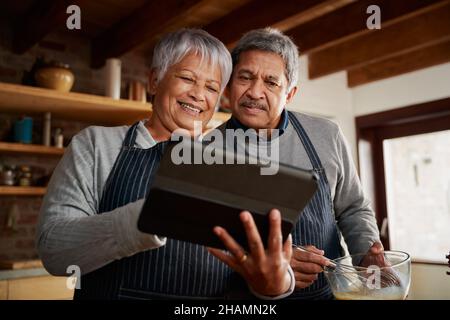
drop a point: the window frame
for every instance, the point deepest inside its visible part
(373, 129)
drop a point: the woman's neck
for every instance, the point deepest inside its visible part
(156, 128)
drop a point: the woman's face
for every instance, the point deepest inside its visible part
(188, 92)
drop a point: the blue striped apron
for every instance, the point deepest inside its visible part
(317, 224)
(178, 269)
(182, 269)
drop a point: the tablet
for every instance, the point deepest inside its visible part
(186, 201)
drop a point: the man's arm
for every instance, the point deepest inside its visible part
(355, 217)
(70, 230)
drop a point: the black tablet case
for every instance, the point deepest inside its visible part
(186, 201)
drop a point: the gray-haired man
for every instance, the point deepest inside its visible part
(263, 82)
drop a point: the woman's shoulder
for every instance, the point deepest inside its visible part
(96, 134)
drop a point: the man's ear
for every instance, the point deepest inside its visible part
(153, 82)
(291, 94)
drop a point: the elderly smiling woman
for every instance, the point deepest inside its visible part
(89, 215)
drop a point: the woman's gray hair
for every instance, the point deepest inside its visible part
(173, 47)
(272, 40)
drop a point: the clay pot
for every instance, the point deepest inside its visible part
(56, 76)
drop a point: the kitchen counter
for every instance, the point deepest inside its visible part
(22, 273)
(33, 284)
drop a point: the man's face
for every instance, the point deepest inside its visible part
(188, 92)
(258, 89)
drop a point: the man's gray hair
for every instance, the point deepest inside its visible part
(272, 40)
(173, 47)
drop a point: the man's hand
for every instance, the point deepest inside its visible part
(307, 264)
(375, 257)
(264, 269)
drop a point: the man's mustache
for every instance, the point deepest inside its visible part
(252, 104)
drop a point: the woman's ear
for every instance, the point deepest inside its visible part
(153, 82)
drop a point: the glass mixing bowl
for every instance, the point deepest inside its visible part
(388, 277)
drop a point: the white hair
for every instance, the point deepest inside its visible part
(272, 40)
(176, 45)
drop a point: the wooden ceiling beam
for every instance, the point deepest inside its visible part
(423, 29)
(399, 64)
(350, 21)
(43, 17)
(142, 25)
(283, 14)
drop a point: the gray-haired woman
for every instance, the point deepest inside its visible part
(89, 215)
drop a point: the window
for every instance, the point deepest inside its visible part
(404, 162)
(417, 174)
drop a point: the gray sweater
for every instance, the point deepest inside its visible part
(354, 216)
(70, 232)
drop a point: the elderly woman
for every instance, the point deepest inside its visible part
(89, 215)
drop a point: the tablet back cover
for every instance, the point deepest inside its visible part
(186, 201)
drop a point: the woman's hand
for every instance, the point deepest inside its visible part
(264, 269)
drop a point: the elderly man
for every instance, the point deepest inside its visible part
(263, 82)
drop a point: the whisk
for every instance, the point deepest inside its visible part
(355, 274)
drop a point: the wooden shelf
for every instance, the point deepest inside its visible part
(22, 191)
(94, 109)
(21, 148)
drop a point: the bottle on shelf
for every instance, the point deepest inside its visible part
(113, 78)
(46, 134)
(23, 130)
(59, 138)
(25, 176)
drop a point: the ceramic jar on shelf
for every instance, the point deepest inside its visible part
(55, 75)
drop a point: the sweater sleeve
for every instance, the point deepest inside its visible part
(71, 232)
(355, 217)
(281, 296)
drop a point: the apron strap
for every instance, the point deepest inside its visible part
(310, 150)
(130, 138)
